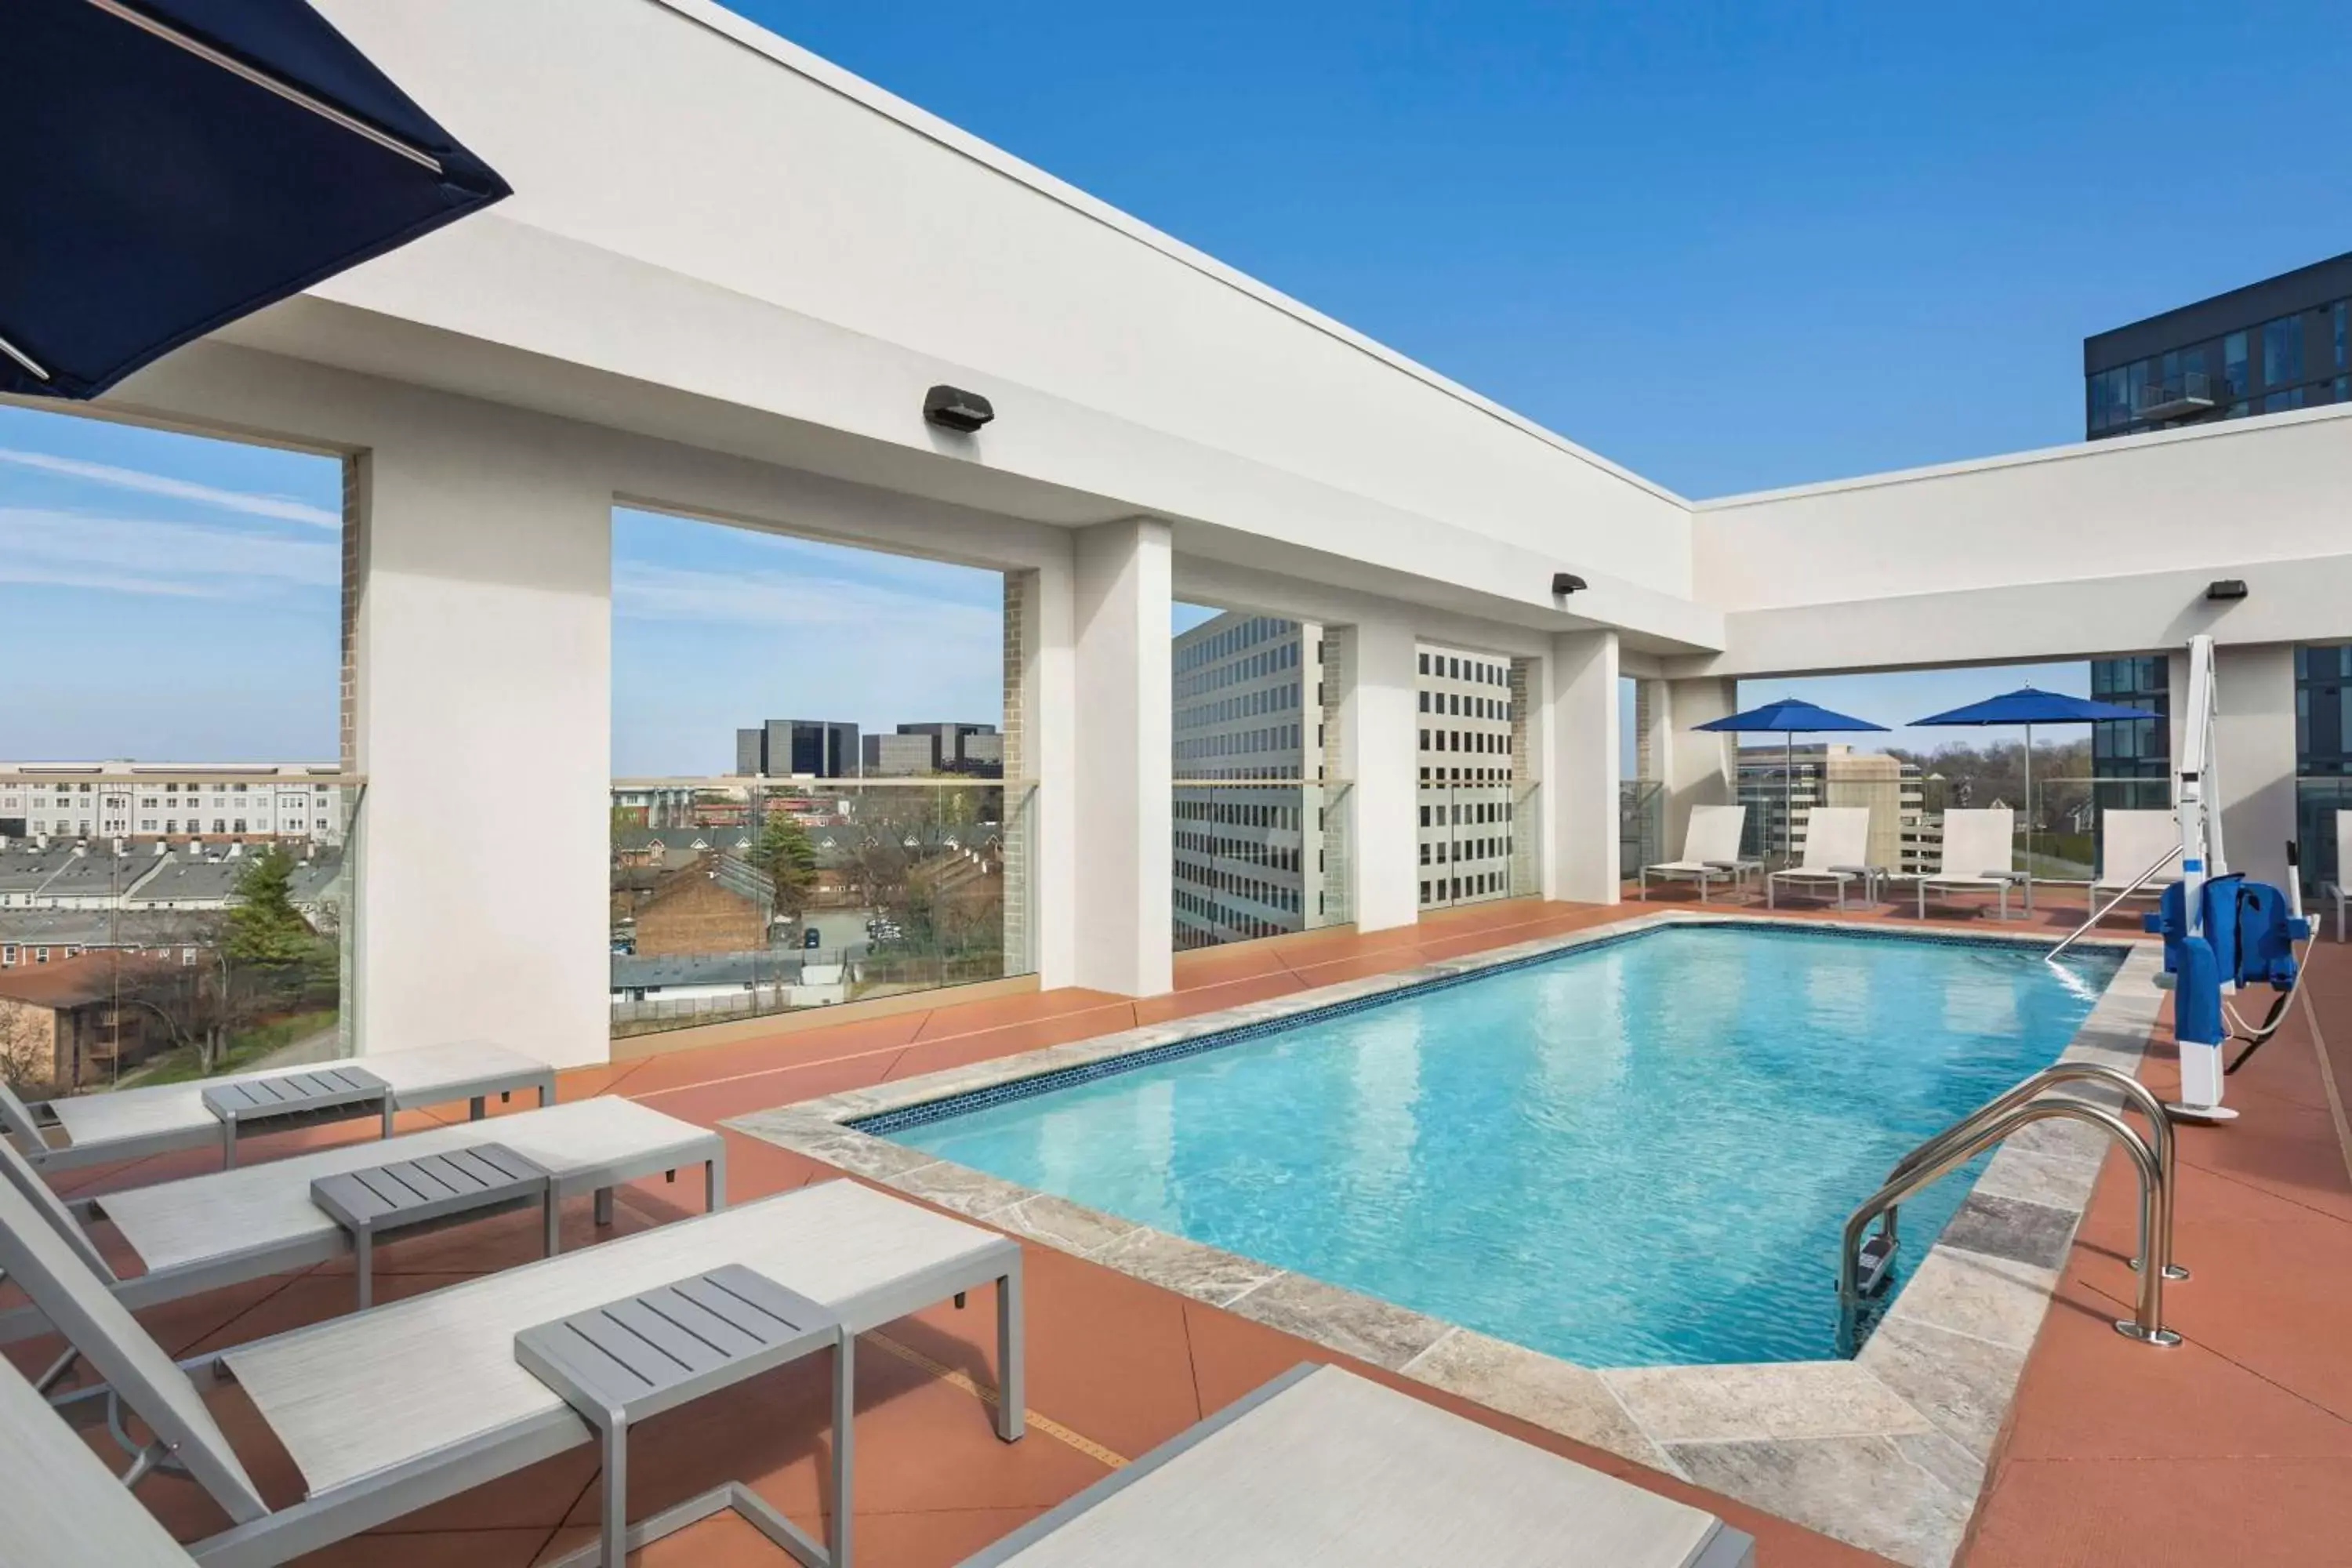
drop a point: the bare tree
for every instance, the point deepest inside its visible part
(27, 1059)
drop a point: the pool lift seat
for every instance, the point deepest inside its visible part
(1866, 1262)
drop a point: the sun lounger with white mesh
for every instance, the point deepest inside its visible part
(130, 1123)
(2131, 843)
(2335, 890)
(394, 1409)
(1710, 851)
(1837, 851)
(1976, 856)
(205, 1231)
(1323, 1467)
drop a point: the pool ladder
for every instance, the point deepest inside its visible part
(2028, 1102)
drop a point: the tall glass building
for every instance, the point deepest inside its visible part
(2268, 348)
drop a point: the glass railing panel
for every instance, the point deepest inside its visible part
(188, 921)
(1259, 858)
(2316, 802)
(1469, 843)
(1641, 825)
(737, 898)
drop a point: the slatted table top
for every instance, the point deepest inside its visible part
(254, 1100)
(647, 1353)
(431, 1186)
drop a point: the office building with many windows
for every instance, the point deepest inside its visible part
(812, 748)
(1469, 745)
(2267, 348)
(1249, 847)
(250, 802)
(2271, 347)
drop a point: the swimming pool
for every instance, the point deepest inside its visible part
(1636, 1153)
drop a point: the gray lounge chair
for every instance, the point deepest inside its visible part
(61, 1504)
(205, 1231)
(1323, 1467)
(130, 1124)
(394, 1409)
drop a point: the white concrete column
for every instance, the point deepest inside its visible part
(2253, 740)
(1581, 768)
(1379, 744)
(1118, 798)
(481, 716)
(1697, 768)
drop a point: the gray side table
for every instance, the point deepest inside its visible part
(403, 1194)
(621, 1362)
(247, 1102)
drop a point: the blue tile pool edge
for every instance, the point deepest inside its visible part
(962, 1102)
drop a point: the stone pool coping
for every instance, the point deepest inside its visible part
(1887, 1451)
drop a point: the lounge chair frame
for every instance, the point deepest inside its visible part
(164, 1395)
(1702, 869)
(1945, 880)
(1724, 1547)
(1846, 830)
(31, 1123)
(2334, 891)
(695, 1146)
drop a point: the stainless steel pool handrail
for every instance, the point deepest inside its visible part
(2146, 1322)
(2104, 910)
(2136, 1094)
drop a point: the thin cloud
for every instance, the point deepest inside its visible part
(138, 556)
(284, 508)
(644, 592)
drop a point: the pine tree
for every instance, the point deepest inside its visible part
(788, 857)
(263, 928)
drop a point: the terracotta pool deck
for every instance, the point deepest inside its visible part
(2236, 1447)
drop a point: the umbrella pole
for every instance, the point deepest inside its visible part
(2029, 818)
(1789, 801)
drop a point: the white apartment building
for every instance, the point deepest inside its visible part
(1250, 857)
(121, 799)
(1469, 733)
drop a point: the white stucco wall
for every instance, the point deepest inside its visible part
(483, 644)
(662, 144)
(2075, 551)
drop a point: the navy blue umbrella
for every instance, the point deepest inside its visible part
(169, 165)
(1789, 717)
(2030, 706)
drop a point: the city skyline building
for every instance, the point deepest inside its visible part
(2270, 347)
(937, 746)
(126, 799)
(816, 747)
(1472, 753)
(1250, 857)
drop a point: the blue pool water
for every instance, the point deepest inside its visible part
(1635, 1154)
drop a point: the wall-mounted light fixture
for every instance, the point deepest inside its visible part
(953, 408)
(2222, 588)
(1565, 583)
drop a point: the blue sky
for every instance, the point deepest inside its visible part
(1729, 246)
(715, 628)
